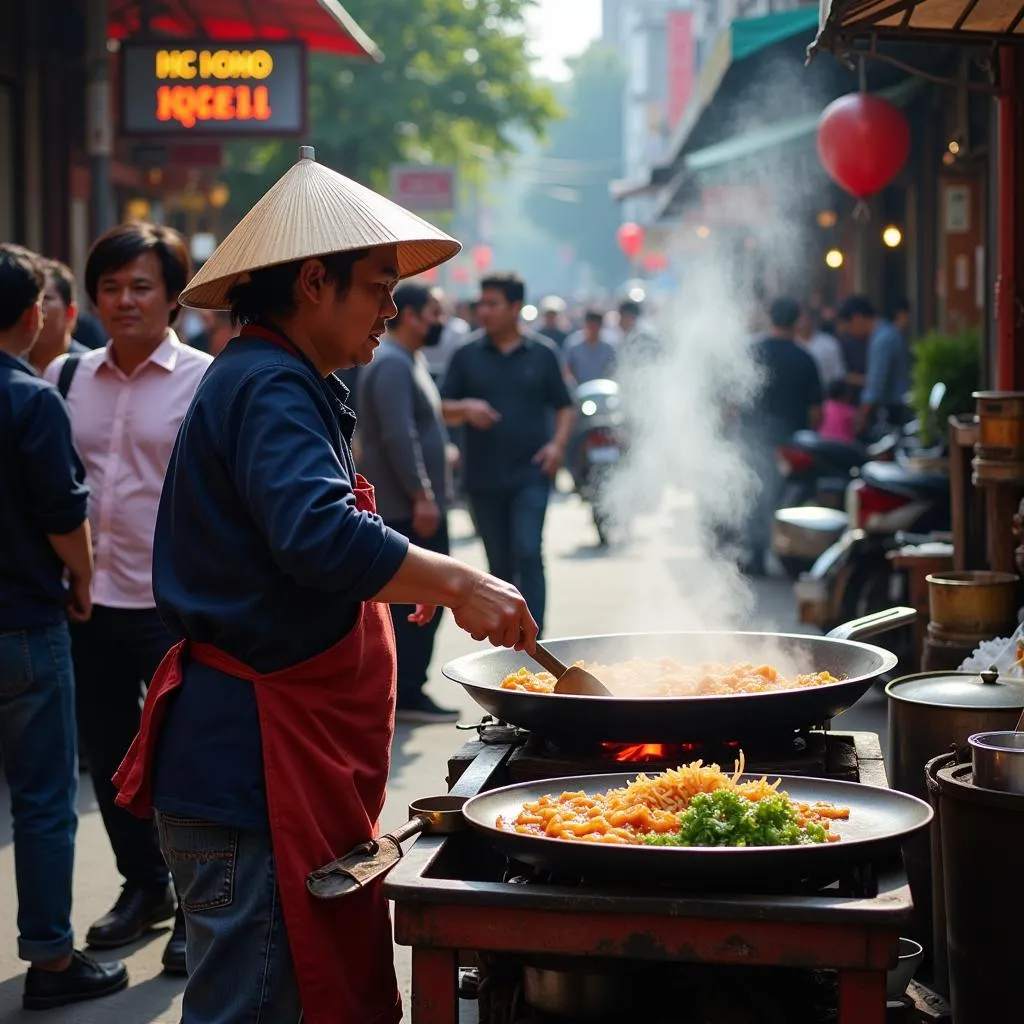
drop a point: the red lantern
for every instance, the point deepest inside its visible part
(630, 237)
(863, 142)
(430, 276)
(482, 256)
(655, 262)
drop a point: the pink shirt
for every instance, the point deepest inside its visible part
(838, 422)
(124, 428)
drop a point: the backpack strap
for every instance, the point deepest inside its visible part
(67, 374)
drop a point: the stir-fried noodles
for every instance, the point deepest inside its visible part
(693, 805)
(666, 677)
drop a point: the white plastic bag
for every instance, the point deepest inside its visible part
(1004, 655)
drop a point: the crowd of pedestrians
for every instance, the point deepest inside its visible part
(845, 375)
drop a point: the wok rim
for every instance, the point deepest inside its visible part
(889, 662)
(547, 842)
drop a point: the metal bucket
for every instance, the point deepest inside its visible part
(982, 836)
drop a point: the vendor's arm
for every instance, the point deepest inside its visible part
(484, 606)
(298, 491)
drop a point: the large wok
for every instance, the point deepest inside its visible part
(572, 719)
(880, 821)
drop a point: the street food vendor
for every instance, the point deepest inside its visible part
(265, 741)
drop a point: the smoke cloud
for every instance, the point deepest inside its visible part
(687, 475)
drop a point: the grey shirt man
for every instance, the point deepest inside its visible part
(590, 360)
(402, 432)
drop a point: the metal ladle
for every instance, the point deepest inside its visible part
(571, 679)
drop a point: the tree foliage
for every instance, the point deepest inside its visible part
(455, 78)
(570, 199)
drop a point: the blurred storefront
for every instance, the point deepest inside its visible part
(750, 123)
(113, 109)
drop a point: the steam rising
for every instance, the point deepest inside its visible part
(687, 469)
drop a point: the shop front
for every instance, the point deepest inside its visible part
(111, 109)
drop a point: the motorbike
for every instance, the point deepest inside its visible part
(816, 473)
(889, 505)
(597, 446)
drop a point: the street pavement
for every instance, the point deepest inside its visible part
(653, 583)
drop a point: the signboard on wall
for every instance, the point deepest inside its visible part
(185, 89)
(423, 187)
(681, 64)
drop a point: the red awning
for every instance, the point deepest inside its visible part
(323, 25)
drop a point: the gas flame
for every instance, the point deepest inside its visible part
(645, 753)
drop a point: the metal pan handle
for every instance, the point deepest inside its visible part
(877, 622)
(548, 661)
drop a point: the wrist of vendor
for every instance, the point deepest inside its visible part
(423, 494)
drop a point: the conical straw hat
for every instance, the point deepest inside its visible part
(314, 211)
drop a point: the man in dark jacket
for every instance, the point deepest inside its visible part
(44, 534)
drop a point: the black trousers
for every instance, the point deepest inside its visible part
(415, 644)
(115, 655)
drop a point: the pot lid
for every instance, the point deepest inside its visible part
(959, 690)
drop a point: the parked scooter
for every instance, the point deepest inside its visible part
(889, 504)
(598, 445)
(816, 473)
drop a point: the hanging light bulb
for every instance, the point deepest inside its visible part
(892, 236)
(834, 258)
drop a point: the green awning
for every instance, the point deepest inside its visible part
(751, 35)
(772, 136)
(742, 40)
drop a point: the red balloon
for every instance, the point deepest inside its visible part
(863, 142)
(655, 261)
(630, 237)
(482, 256)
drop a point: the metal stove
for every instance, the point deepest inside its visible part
(507, 935)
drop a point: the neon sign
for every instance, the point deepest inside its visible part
(191, 88)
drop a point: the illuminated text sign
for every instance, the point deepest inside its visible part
(213, 88)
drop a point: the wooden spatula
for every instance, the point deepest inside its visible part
(570, 680)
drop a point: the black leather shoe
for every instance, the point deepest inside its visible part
(134, 913)
(84, 979)
(174, 954)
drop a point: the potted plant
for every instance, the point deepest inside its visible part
(950, 359)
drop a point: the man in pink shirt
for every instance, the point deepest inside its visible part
(127, 401)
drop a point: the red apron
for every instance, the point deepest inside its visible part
(326, 726)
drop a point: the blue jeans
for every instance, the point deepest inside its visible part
(239, 963)
(39, 754)
(511, 525)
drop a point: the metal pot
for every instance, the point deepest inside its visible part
(931, 712)
(976, 602)
(997, 759)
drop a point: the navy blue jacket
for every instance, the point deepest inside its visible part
(42, 491)
(260, 550)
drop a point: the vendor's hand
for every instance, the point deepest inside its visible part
(423, 615)
(549, 458)
(79, 599)
(494, 610)
(426, 516)
(480, 414)
(452, 455)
